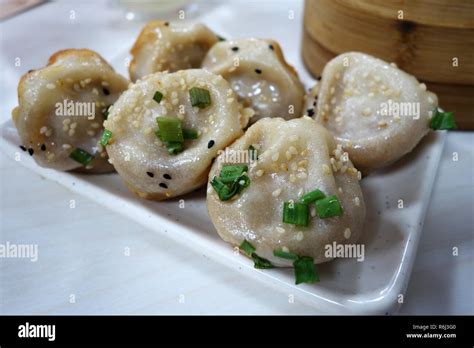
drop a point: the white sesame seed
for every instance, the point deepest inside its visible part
(50, 86)
(43, 129)
(382, 123)
(90, 133)
(71, 132)
(293, 150)
(312, 211)
(276, 193)
(49, 132)
(259, 172)
(275, 156)
(293, 138)
(299, 236)
(95, 125)
(338, 119)
(359, 175)
(95, 91)
(66, 146)
(357, 201)
(301, 175)
(326, 169)
(366, 111)
(280, 230)
(73, 125)
(340, 190)
(422, 86)
(292, 178)
(288, 155)
(285, 249)
(347, 233)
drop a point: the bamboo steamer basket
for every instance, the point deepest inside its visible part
(434, 41)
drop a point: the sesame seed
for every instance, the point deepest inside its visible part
(347, 233)
(50, 86)
(22, 147)
(301, 175)
(31, 151)
(299, 236)
(382, 123)
(359, 175)
(275, 156)
(90, 133)
(73, 125)
(106, 91)
(210, 144)
(43, 147)
(312, 211)
(276, 193)
(340, 190)
(280, 230)
(293, 138)
(288, 155)
(258, 71)
(292, 178)
(285, 249)
(357, 201)
(310, 112)
(271, 47)
(366, 111)
(167, 176)
(293, 150)
(235, 49)
(66, 146)
(259, 172)
(71, 132)
(326, 169)
(163, 185)
(422, 86)
(104, 83)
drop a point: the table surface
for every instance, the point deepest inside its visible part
(93, 261)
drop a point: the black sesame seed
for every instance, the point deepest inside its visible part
(22, 147)
(162, 184)
(167, 23)
(150, 174)
(210, 144)
(270, 47)
(43, 147)
(318, 78)
(31, 151)
(106, 91)
(258, 71)
(235, 49)
(314, 103)
(167, 176)
(310, 112)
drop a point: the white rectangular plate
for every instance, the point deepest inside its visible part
(391, 234)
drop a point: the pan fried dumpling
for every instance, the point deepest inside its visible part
(294, 158)
(62, 107)
(259, 74)
(161, 145)
(378, 112)
(169, 46)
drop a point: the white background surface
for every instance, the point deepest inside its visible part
(82, 250)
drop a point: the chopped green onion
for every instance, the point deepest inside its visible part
(260, 262)
(285, 255)
(328, 207)
(200, 97)
(104, 139)
(189, 133)
(312, 196)
(305, 270)
(230, 173)
(253, 153)
(442, 120)
(248, 248)
(220, 38)
(81, 156)
(242, 182)
(169, 129)
(173, 147)
(157, 96)
(223, 191)
(105, 112)
(296, 213)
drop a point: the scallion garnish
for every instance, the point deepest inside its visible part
(169, 129)
(442, 120)
(230, 173)
(305, 270)
(105, 112)
(312, 196)
(81, 156)
(104, 139)
(173, 147)
(200, 97)
(248, 248)
(260, 262)
(328, 207)
(253, 153)
(285, 255)
(295, 213)
(189, 133)
(157, 96)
